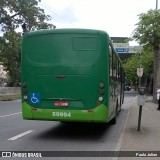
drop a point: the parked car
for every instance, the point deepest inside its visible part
(127, 88)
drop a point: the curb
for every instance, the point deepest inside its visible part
(120, 141)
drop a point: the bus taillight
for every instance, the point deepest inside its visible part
(34, 109)
(97, 103)
(101, 92)
(101, 85)
(90, 110)
(100, 99)
(24, 90)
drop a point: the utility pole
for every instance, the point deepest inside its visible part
(140, 92)
(156, 4)
(140, 66)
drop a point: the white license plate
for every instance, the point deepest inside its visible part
(61, 104)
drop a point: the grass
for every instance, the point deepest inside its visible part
(9, 97)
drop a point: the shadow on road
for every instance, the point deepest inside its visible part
(75, 131)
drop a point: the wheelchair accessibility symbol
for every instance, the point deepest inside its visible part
(35, 98)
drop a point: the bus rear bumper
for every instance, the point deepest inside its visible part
(98, 114)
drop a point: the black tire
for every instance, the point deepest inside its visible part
(114, 120)
(120, 107)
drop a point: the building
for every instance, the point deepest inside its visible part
(121, 45)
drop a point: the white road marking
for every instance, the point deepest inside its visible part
(10, 114)
(20, 135)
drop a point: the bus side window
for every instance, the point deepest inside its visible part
(119, 72)
(110, 61)
(121, 75)
(114, 66)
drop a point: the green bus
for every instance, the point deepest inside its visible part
(71, 75)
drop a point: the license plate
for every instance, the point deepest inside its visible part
(61, 103)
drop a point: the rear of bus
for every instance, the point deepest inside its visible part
(64, 75)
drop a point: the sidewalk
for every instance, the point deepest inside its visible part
(148, 139)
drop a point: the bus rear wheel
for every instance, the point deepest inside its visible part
(114, 120)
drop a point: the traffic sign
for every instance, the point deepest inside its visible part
(122, 50)
(35, 98)
(139, 72)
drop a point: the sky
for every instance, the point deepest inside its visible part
(117, 17)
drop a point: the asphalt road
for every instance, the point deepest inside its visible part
(17, 134)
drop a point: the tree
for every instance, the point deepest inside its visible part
(133, 63)
(147, 33)
(11, 55)
(14, 13)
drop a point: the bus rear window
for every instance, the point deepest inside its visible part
(85, 43)
(64, 49)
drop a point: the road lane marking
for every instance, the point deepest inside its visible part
(20, 135)
(10, 114)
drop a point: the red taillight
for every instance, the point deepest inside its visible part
(97, 103)
(90, 110)
(34, 109)
(60, 76)
(101, 92)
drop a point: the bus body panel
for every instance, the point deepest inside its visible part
(98, 114)
(67, 65)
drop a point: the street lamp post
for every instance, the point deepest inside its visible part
(140, 65)
(140, 92)
(156, 4)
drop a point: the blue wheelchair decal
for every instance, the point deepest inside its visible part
(35, 98)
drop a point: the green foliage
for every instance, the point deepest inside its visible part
(10, 55)
(147, 32)
(13, 13)
(133, 63)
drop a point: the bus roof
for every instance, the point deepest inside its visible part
(65, 30)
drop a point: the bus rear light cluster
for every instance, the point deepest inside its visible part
(97, 103)
(90, 110)
(101, 93)
(101, 85)
(24, 90)
(34, 109)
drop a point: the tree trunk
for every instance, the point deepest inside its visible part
(156, 72)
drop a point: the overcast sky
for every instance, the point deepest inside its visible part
(117, 17)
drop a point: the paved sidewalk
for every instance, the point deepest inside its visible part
(148, 139)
